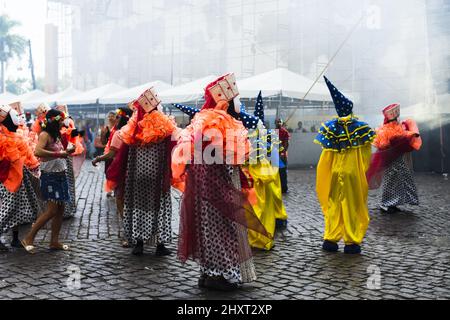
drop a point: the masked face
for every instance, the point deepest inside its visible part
(66, 122)
(14, 117)
(260, 125)
(111, 118)
(22, 119)
(237, 105)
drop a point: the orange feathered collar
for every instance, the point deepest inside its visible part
(392, 130)
(153, 128)
(14, 148)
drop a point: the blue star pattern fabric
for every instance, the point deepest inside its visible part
(249, 121)
(243, 108)
(344, 106)
(346, 131)
(259, 107)
(190, 111)
(340, 135)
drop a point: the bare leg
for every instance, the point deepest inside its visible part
(52, 209)
(56, 227)
(119, 205)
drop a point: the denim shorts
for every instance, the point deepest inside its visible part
(54, 187)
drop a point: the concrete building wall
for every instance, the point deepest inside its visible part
(303, 152)
(51, 58)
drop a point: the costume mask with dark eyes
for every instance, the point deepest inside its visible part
(11, 121)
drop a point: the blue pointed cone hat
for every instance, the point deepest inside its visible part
(344, 106)
(259, 107)
(190, 111)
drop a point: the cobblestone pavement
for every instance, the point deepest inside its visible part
(405, 256)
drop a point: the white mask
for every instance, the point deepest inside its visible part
(22, 119)
(260, 125)
(237, 105)
(66, 122)
(14, 117)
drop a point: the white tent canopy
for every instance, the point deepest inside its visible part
(422, 109)
(69, 92)
(91, 96)
(187, 92)
(32, 99)
(128, 95)
(285, 82)
(8, 97)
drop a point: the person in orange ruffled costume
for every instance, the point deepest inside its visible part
(392, 164)
(147, 198)
(206, 166)
(40, 113)
(32, 139)
(116, 153)
(18, 200)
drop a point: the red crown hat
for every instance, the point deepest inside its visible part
(62, 108)
(4, 111)
(18, 107)
(148, 101)
(42, 110)
(222, 89)
(391, 112)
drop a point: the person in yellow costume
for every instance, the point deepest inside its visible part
(259, 178)
(269, 205)
(342, 186)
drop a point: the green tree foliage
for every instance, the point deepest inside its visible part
(11, 45)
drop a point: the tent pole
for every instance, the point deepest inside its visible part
(280, 105)
(98, 116)
(441, 132)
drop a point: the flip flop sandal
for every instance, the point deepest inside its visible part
(63, 247)
(28, 248)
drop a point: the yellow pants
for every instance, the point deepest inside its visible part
(270, 202)
(342, 190)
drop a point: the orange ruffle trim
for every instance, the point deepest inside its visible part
(416, 142)
(395, 130)
(36, 127)
(15, 149)
(31, 137)
(153, 128)
(216, 124)
(110, 186)
(76, 141)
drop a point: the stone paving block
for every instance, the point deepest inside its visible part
(411, 250)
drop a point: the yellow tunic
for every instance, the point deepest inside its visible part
(269, 204)
(342, 190)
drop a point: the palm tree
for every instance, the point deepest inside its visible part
(11, 45)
